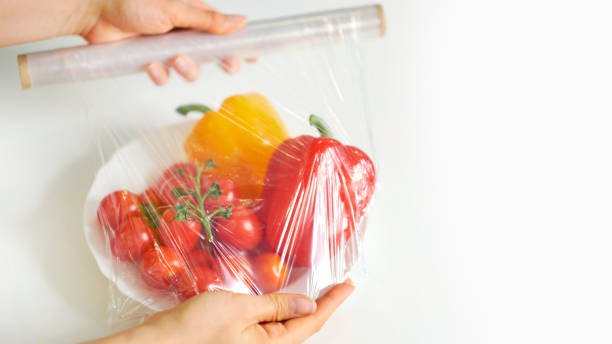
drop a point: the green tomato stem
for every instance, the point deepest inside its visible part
(199, 211)
(208, 229)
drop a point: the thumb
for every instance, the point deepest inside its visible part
(184, 15)
(279, 307)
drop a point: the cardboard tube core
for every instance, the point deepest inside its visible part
(383, 19)
(24, 72)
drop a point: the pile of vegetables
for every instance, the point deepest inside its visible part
(252, 207)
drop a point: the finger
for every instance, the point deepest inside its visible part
(230, 65)
(186, 67)
(184, 15)
(158, 73)
(278, 307)
(302, 328)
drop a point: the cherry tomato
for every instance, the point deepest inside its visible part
(270, 272)
(116, 207)
(200, 257)
(195, 281)
(228, 197)
(150, 195)
(160, 266)
(181, 235)
(133, 237)
(242, 230)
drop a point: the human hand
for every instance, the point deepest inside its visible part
(109, 20)
(120, 19)
(224, 317)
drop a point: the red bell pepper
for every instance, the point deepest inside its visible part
(315, 192)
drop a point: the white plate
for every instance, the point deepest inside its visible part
(134, 167)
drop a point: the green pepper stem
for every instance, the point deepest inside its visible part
(320, 125)
(187, 108)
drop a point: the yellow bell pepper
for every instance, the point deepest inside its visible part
(239, 138)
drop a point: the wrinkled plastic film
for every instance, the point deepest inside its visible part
(258, 38)
(250, 193)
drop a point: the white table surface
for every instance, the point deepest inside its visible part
(492, 127)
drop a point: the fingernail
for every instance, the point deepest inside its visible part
(182, 66)
(230, 67)
(303, 306)
(156, 74)
(153, 71)
(350, 282)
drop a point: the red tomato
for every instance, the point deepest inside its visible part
(181, 235)
(160, 266)
(228, 197)
(150, 195)
(133, 238)
(116, 207)
(200, 257)
(195, 281)
(270, 272)
(242, 230)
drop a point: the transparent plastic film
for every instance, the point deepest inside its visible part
(258, 38)
(260, 184)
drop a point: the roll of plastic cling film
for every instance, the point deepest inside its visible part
(259, 37)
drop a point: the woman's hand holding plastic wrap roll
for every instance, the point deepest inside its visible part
(102, 22)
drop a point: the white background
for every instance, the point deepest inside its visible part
(492, 125)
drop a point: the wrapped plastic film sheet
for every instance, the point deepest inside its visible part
(265, 188)
(259, 37)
